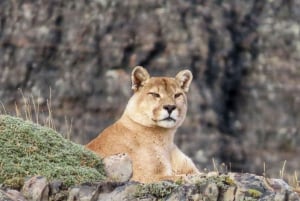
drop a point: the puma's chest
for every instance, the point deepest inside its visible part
(155, 159)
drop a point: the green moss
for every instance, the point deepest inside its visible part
(254, 193)
(229, 181)
(222, 181)
(158, 190)
(29, 149)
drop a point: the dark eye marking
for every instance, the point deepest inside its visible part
(155, 95)
(178, 95)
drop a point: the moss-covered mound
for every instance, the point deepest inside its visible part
(28, 149)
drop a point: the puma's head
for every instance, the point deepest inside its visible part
(158, 101)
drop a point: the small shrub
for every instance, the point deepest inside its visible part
(28, 149)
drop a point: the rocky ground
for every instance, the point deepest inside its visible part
(75, 57)
(212, 187)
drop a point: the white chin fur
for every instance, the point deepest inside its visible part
(166, 124)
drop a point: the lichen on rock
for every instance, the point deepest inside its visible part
(28, 149)
(158, 190)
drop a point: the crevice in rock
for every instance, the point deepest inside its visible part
(243, 35)
(127, 52)
(244, 38)
(158, 48)
(183, 14)
(213, 69)
(286, 196)
(194, 68)
(2, 25)
(27, 76)
(55, 38)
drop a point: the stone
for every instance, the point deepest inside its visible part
(15, 195)
(36, 189)
(212, 192)
(4, 196)
(74, 194)
(87, 191)
(55, 186)
(123, 192)
(228, 195)
(118, 167)
(11, 195)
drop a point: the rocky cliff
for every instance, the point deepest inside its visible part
(75, 58)
(38, 164)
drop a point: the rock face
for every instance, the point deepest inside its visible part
(213, 187)
(75, 58)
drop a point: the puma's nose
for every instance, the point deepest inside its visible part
(169, 108)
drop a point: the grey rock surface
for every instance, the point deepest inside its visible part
(11, 195)
(213, 187)
(36, 189)
(4, 197)
(118, 167)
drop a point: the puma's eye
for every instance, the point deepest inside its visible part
(177, 95)
(155, 95)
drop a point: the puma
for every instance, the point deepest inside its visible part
(146, 129)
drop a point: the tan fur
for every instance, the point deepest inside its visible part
(143, 132)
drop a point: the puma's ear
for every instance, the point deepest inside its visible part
(184, 78)
(138, 77)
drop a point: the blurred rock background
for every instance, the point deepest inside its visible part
(76, 57)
